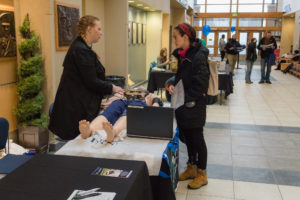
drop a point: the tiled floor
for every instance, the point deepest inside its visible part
(253, 142)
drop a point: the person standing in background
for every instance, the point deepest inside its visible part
(232, 52)
(267, 45)
(222, 45)
(250, 59)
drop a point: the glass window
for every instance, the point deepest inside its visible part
(250, 1)
(211, 50)
(270, 7)
(251, 22)
(250, 8)
(199, 8)
(218, 1)
(210, 39)
(234, 8)
(199, 34)
(218, 22)
(264, 22)
(218, 8)
(234, 1)
(197, 21)
(199, 2)
(270, 1)
(274, 22)
(233, 22)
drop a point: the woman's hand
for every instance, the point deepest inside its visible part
(171, 89)
(117, 89)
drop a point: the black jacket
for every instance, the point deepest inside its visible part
(81, 89)
(234, 44)
(194, 73)
(268, 51)
(251, 52)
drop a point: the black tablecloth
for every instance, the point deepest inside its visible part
(56, 177)
(225, 83)
(158, 79)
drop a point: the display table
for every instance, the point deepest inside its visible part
(56, 177)
(160, 156)
(158, 79)
(225, 84)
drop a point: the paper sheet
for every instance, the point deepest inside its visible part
(177, 99)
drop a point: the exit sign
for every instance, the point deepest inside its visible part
(234, 14)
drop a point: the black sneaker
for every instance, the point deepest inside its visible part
(269, 82)
(260, 82)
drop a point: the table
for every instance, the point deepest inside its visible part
(163, 167)
(56, 177)
(158, 79)
(225, 84)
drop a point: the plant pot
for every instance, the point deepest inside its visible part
(34, 137)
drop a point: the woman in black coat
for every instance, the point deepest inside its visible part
(82, 85)
(193, 70)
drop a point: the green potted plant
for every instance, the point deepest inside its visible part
(33, 132)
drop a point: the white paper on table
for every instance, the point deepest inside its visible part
(177, 99)
(91, 195)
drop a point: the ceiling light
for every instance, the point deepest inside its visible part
(152, 10)
(130, 1)
(139, 4)
(146, 7)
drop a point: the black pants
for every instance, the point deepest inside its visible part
(196, 146)
(222, 55)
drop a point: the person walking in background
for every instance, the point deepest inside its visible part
(232, 52)
(222, 45)
(250, 59)
(267, 45)
(82, 84)
(193, 72)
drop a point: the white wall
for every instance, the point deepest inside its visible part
(163, 5)
(154, 37)
(294, 5)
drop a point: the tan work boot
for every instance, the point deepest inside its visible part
(189, 173)
(2, 153)
(199, 181)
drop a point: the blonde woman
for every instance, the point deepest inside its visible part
(82, 85)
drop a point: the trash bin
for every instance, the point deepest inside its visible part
(116, 80)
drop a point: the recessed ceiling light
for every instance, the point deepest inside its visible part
(146, 7)
(130, 1)
(139, 4)
(152, 10)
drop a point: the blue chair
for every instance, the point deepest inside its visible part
(9, 162)
(152, 65)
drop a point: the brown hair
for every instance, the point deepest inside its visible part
(83, 23)
(252, 40)
(163, 58)
(191, 35)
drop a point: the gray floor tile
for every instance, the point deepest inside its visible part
(219, 139)
(219, 159)
(273, 135)
(284, 164)
(295, 130)
(278, 143)
(244, 133)
(291, 178)
(238, 140)
(244, 127)
(294, 136)
(218, 148)
(253, 175)
(269, 128)
(282, 152)
(250, 161)
(216, 131)
(219, 172)
(217, 125)
(247, 150)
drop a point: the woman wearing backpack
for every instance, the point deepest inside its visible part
(193, 71)
(250, 59)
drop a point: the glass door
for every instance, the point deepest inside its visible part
(219, 37)
(244, 40)
(210, 43)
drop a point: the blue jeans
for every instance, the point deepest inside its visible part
(265, 76)
(248, 70)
